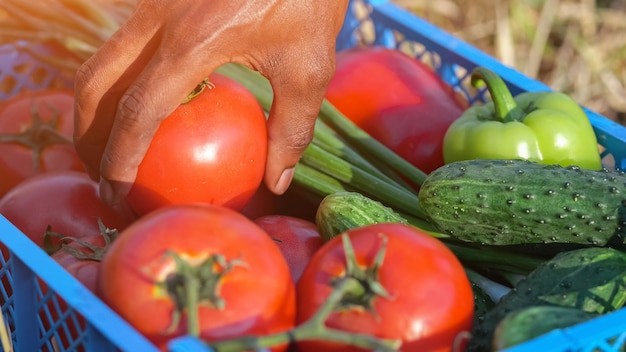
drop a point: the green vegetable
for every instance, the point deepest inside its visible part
(512, 202)
(545, 127)
(528, 323)
(591, 279)
(342, 211)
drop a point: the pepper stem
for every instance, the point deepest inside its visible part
(505, 106)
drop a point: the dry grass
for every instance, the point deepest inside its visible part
(574, 46)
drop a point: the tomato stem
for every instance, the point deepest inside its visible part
(357, 285)
(96, 252)
(38, 135)
(191, 286)
(199, 89)
(314, 329)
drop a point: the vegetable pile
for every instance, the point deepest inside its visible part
(402, 230)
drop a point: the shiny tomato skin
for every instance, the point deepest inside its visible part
(431, 301)
(68, 201)
(398, 100)
(298, 239)
(212, 149)
(259, 295)
(18, 160)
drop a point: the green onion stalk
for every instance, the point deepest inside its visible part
(343, 157)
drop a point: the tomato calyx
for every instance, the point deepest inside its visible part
(356, 286)
(38, 135)
(93, 252)
(369, 287)
(190, 286)
(199, 89)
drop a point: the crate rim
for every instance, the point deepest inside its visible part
(87, 304)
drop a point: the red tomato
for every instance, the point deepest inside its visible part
(36, 136)
(430, 302)
(68, 201)
(86, 272)
(257, 293)
(212, 149)
(297, 238)
(398, 100)
(262, 203)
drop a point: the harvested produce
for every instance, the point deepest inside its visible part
(514, 202)
(545, 127)
(342, 211)
(589, 279)
(36, 129)
(530, 322)
(398, 100)
(81, 256)
(297, 239)
(66, 201)
(220, 141)
(198, 269)
(392, 289)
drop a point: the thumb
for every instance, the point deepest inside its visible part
(299, 89)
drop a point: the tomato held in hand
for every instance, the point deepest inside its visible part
(298, 239)
(36, 136)
(67, 201)
(242, 282)
(212, 149)
(423, 297)
(398, 100)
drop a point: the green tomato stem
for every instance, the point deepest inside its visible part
(506, 109)
(313, 329)
(38, 135)
(355, 283)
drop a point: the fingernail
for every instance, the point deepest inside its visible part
(285, 180)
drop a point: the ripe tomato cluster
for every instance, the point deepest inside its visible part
(200, 247)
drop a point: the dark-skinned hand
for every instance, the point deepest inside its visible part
(147, 68)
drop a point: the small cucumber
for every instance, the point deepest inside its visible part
(528, 323)
(513, 202)
(590, 279)
(342, 211)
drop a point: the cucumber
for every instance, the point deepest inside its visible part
(341, 211)
(528, 323)
(590, 279)
(512, 202)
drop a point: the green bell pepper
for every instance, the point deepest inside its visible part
(544, 127)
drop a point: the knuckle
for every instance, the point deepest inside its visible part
(132, 105)
(316, 71)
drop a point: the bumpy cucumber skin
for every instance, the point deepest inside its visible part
(591, 279)
(511, 202)
(342, 211)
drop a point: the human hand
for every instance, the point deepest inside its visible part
(146, 69)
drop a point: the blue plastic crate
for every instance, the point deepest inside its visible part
(67, 314)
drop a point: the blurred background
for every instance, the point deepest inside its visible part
(574, 46)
